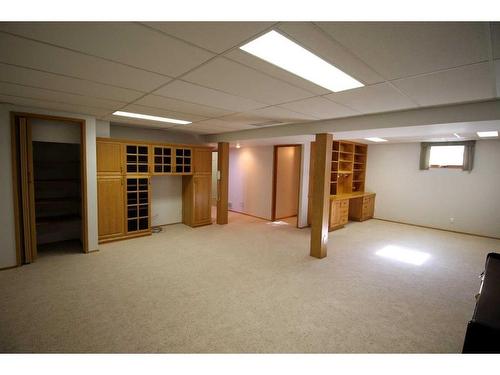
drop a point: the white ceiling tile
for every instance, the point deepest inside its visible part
(134, 108)
(320, 108)
(267, 116)
(224, 124)
(320, 43)
(204, 129)
(118, 120)
(265, 67)
(495, 39)
(57, 96)
(180, 106)
(63, 107)
(402, 49)
(240, 80)
(210, 97)
(25, 76)
(281, 114)
(214, 36)
(457, 85)
(26, 53)
(126, 42)
(381, 97)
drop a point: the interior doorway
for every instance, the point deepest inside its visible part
(286, 182)
(49, 185)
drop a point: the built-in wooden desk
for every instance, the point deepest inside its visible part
(357, 206)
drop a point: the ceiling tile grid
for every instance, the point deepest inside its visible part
(125, 42)
(195, 70)
(468, 83)
(381, 97)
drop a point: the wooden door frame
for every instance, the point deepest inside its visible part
(275, 177)
(15, 177)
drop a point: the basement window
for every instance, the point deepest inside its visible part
(459, 155)
(446, 157)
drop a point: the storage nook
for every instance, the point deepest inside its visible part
(348, 199)
(124, 172)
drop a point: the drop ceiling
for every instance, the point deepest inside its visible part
(195, 71)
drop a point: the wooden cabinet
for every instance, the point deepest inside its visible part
(196, 207)
(136, 159)
(362, 208)
(196, 190)
(124, 190)
(109, 158)
(111, 207)
(162, 160)
(138, 205)
(183, 160)
(339, 213)
(202, 160)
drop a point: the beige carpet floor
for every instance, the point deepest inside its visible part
(249, 286)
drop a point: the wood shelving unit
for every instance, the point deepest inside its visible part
(183, 158)
(138, 204)
(124, 171)
(137, 158)
(162, 160)
(348, 167)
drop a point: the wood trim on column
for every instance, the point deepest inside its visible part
(320, 195)
(222, 182)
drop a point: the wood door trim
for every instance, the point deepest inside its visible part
(275, 180)
(222, 216)
(15, 186)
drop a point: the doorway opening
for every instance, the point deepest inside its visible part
(49, 186)
(286, 183)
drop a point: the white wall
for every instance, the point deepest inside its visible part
(102, 128)
(7, 225)
(156, 135)
(250, 180)
(304, 185)
(55, 131)
(287, 181)
(432, 197)
(166, 200)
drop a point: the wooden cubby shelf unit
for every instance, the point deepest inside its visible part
(137, 158)
(183, 157)
(124, 172)
(137, 204)
(162, 160)
(348, 167)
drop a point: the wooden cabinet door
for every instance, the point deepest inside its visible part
(202, 213)
(335, 217)
(203, 160)
(109, 158)
(111, 208)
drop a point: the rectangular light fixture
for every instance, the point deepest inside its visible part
(493, 133)
(286, 54)
(151, 118)
(376, 139)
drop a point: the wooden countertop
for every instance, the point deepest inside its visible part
(351, 195)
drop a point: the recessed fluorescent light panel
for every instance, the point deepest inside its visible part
(152, 118)
(376, 139)
(280, 51)
(488, 134)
